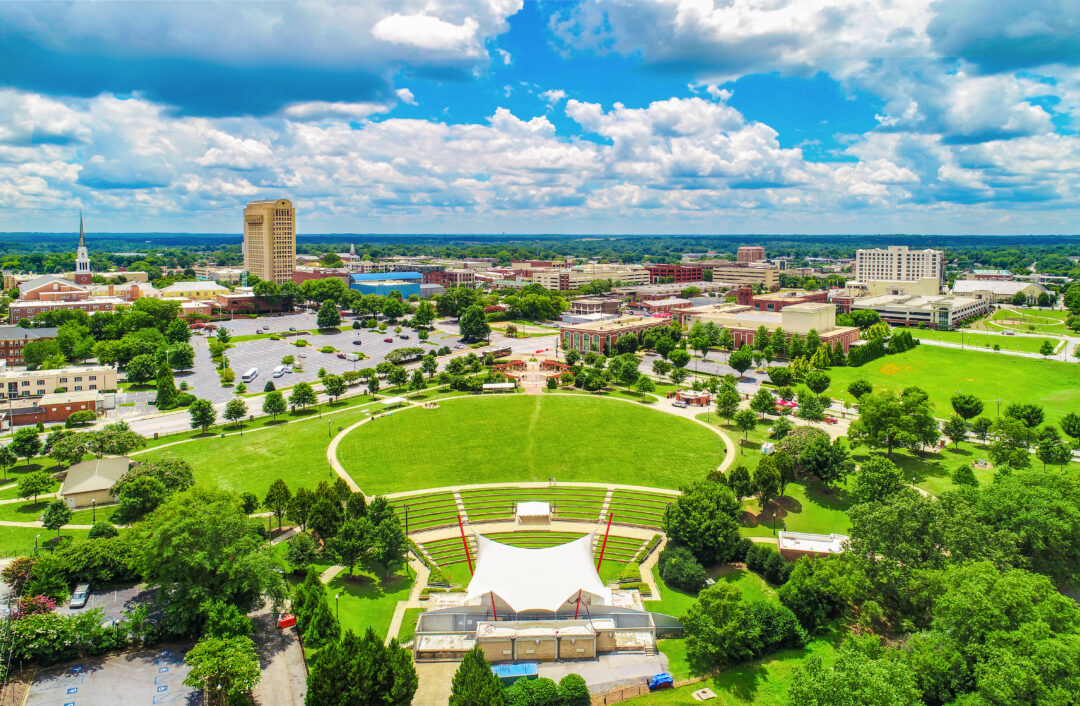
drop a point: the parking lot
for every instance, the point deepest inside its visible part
(149, 677)
(113, 602)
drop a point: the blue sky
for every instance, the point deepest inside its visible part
(599, 116)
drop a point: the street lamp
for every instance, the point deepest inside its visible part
(774, 523)
(998, 400)
(93, 505)
(337, 606)
(328, 434)
(36, 537)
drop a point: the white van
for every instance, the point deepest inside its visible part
(279, 371)
(250, 375)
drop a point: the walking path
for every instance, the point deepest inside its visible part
(413, 601)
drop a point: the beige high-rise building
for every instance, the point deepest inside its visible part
(898, 263)
(270, 239)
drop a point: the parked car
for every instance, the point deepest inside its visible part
(403, 336)
(357, 342)
(292, 328)
(678, 403)
(266, 328)
(341, 355)
(388, 340)
(831, 420)
(80, 596)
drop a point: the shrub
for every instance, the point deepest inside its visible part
(300, 343)
(184, 399)
(680, 569)
(79, 418)
(103, 529)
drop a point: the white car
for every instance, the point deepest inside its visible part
(678, 403)
(80, 596)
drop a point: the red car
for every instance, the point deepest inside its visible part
(388, 340)
(341, 355)
(831, 420)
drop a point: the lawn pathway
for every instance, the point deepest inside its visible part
(413, 601)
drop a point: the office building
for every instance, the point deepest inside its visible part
(776, 301)
(600, 336)
(270, 240)
(899, 263)
(36, 383)
(936, 312)
(750, 253)
(739, 273)
(675, 274)
(13, 338)
(743, 321)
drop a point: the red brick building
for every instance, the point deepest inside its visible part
(750, 253)
(451, 278)
(29, 309)
(303, 274)
(776, 301)
(677, 273)
(50, 408)
(601, 336)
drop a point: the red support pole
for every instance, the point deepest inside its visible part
(494, 613)
(578, 606)
(604, 545)
(465, 542)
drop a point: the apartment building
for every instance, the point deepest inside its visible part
(270, 239)
(13, 338)
(750, 253)
(29, 309)
(675, 274)
(899, 263)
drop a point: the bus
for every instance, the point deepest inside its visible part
(250, 375)
(501, 352)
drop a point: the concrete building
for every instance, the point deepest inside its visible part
(899, 263)
(270, 239)
(743, 321)
(776, 301)
(13, 338)
(997, 290)
(595, 305)
(739, 273)
(601, 335)
(36, 383)
(451, 278)
(675, 274)
(650, 292)
(989, 275)
(573, 278)
(937, 312)
(303, 273)
(925, 287)
(90, 482)
(226, 275)
(664, 306)
(406, 283)
(750, 253)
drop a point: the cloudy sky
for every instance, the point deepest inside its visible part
(600, 116)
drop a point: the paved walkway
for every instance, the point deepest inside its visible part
(413, 601)
(281, 661)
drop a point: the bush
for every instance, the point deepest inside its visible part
(680, 569)
(269, 386)
(85, 416)
(103, 529)
(184, 399)
(300, 343)
(355, 325)
(742, 547)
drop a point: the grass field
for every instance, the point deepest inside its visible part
(1054, 385)
(806, 507)
(528, 438)
(1027, 344)
(367, 601)
(19, 541)
(408, 624)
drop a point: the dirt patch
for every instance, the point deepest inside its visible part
(894, 369)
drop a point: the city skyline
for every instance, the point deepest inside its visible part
(592, 117)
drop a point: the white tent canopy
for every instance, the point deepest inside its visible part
(537, 579)
(533, 508)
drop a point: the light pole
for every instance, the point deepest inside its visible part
(337, 607)
(774, 523)
(998, 400)
(36, 537)
(93, 505)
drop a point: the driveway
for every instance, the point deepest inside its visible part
(149, 677)
(113, 602)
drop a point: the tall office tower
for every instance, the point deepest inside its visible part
(270, 240)
(899, 264)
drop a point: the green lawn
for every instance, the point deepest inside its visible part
(251, 462)
(806, 507)
(408, 624)
(762, 682)
(368, 601)
(19, 541)
(1026, 320)
(1028, 344)
(1054, 385)
(528, 438)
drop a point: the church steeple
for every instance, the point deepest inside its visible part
(83, 275)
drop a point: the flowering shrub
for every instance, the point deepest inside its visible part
(31, 605)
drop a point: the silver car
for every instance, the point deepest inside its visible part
(80, 596)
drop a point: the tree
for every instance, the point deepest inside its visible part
(1050, 449)
(69, 448)
(740, 482)
(573, 691)
(277, 499)
(705, 519)
(225, 669)
(223, 336)
(334, 386)
(56, 515)
(362, 671)
(818, 381)
(328, 317)
(967, 406)
(186, 556)
(1030, 414)
(644, 385)
(859, 387)
(887, 420)
(373, 386)
(140, 496)
(745, 421)
(1046, 349)
(429, 365)
(981, 427)
(33, 484)
(397, 376)
(26, 443)
(474, 683)
(325, 518)
(424, 314)
(302, 552)
(810, 408)
(235, 410)
(878, 478)
(417, 383)
(781, 428)
(766, 480)
(727, 401)
(352, 542)
(302, 395)
(1011, 444)
(300, 507)
(741, 360)
(7, 460)
(473, 324)
(679, 358)
(141, 369)
(854, 678)
(763, 402)
(723, 629)
(203, 415)
(956, 429)
(274, 404)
